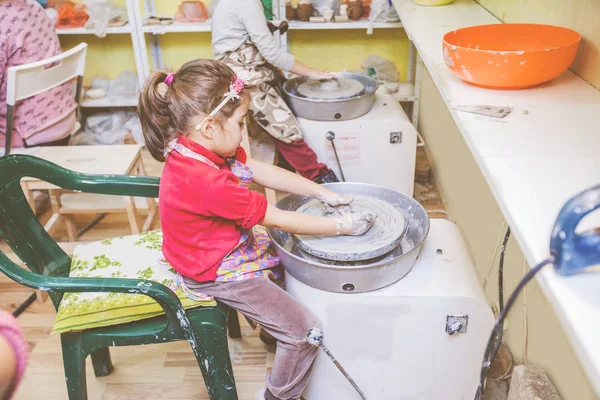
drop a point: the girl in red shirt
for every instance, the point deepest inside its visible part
(194, 120)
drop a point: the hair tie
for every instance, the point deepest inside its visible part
(163, 86)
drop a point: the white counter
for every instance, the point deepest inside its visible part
(534, 159)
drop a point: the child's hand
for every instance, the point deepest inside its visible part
(319, 75)
(355, 224)
(335, 204)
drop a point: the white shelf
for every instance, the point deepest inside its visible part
(112, 30)
(534, 159)
(178, 27)
(362, 24)
(106, 102)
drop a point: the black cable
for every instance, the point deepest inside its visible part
(501, 290)
(19, 310)
(487, 359)
(501, 269)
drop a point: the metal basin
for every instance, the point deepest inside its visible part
(355, 277)
(331, 109)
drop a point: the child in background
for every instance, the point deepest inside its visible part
(194, 120)
(27, 35)
(13, 355)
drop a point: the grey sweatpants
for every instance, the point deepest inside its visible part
(264, 302)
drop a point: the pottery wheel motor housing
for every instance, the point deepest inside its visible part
(395, 320)
(361, 133)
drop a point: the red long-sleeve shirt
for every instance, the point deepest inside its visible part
(203, 211)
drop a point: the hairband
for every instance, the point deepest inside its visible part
(164, 85)
(235, 88)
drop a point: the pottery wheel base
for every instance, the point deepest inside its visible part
(383, 237)
(330, 90)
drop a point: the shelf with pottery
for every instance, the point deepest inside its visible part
(534, 159)
(117, 27)
(111, 30)
(362, 24)
(175, 27)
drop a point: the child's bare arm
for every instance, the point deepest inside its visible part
(273, 177)
(276, 178)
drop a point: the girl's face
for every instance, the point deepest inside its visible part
(228, 135)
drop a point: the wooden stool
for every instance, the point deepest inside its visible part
(102, 160)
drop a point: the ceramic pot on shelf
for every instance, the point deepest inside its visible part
(328, 15)
(343, 10)
(305, 11)
(291, 12)
(191, 11)
(366, 8)
(354, 10)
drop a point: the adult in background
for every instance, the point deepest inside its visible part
(242, 40)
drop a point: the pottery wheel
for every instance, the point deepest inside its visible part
(334, 89)
(383, 237)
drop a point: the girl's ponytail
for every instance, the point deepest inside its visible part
(171, 104)
(153, 110)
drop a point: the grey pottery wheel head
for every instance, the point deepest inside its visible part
(384, 236)
(416, 229)
(341, 88)
(369, 86)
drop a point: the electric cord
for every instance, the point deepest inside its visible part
(501, 270)
(525, 321)
(501, 289)
(491, 263)
(489, 351)
(501, 302)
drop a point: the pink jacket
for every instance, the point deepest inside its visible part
(27, 35)
(12, 332)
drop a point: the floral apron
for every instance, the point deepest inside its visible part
(267, 106)
(253, 257)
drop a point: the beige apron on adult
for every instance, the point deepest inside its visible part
(267, 106)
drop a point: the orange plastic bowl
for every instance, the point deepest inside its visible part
(510, 56)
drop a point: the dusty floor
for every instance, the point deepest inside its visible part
(166, 371)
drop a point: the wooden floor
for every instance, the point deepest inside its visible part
(166, 371)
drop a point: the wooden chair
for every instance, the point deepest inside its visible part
(49, 266)
(96, 160)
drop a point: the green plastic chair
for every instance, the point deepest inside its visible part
(205, 327)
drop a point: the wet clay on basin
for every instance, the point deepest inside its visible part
(383, 237)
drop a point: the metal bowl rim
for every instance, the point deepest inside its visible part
(380, 263)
